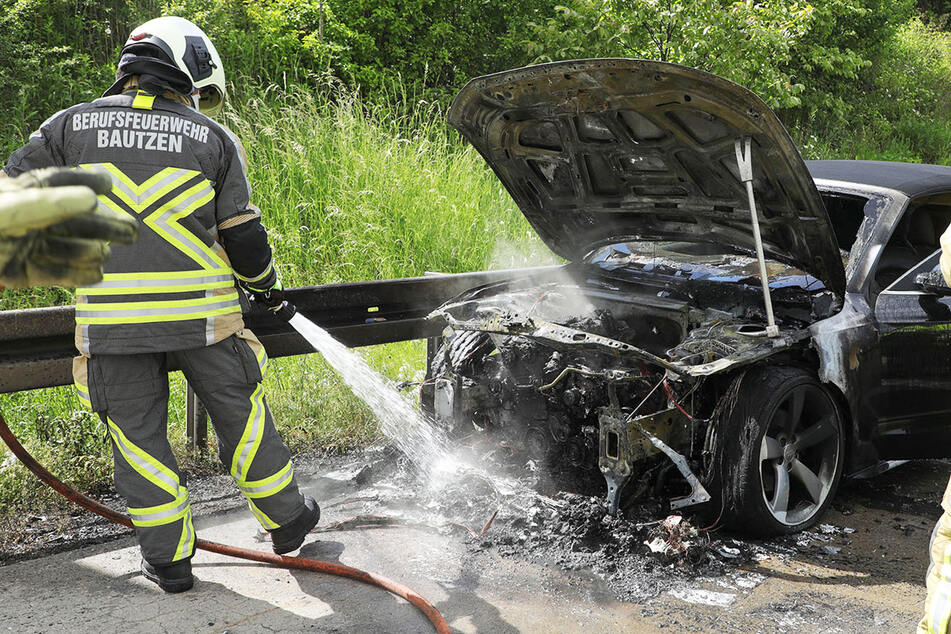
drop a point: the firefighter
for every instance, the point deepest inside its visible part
(51, 230)
(172, 300)
(938, 578)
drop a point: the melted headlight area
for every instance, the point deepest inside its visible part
(556, 408)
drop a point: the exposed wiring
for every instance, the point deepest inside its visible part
(673, 399)
(630, 416)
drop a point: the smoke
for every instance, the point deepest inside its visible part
(557, 299)
(518, 255)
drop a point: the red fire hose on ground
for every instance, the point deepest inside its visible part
(299, 563)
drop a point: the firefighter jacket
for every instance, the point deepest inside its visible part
(183, 177)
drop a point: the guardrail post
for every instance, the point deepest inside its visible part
(196, 421)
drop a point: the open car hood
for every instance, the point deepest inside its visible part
(611, 150)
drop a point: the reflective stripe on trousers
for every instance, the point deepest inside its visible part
(249, 445)
(162, 521)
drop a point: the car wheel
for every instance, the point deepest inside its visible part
(780, 451)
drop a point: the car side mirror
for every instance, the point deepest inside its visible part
(933, 282)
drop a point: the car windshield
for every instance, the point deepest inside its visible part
(696, 261)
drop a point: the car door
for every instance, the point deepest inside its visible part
(913, 400)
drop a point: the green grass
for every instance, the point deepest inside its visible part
(353, 192)
(69, 441)
(348, 192)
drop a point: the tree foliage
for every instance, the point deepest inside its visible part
(438, 43)
(791, 54)
(423, 46)
(822, 64)
(52, 50)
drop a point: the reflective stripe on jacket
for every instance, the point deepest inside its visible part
(184, 178)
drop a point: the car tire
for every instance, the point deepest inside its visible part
(467, 351)
(778, 453)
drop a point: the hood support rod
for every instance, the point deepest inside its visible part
(744, 161)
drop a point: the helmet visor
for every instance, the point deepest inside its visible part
(210, 100)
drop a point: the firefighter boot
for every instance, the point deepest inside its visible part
(176, 577)
(290, 536)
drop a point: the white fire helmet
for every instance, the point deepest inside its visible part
(188, 49)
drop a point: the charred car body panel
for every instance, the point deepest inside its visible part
(648, 351)
(888, 348)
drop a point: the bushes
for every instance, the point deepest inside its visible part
(751, 44)
(902, 113)
(56, 53)
(432, 45)
(60, 52)
(850, 78)
(263, 43)
(427, 47)
(798, 56)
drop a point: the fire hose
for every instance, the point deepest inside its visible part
(297, 563)
(287, 313)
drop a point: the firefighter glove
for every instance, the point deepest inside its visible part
(51, 230)
(273, 299)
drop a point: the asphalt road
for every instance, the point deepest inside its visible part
(862, 571)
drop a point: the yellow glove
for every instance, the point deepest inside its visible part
(51, 230)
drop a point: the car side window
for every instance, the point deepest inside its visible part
(852, 219)
(906, 281)
(915, 238)
(846, 212)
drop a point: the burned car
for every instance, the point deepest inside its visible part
(730, 317)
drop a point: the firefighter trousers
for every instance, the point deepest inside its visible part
(938, 579)
(130, 394)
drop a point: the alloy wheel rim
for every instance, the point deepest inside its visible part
(799, 454)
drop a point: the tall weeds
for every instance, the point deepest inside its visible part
(351, 191)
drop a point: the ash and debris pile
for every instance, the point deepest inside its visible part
(524, 513)
(639, 554)
(468, 501)
(574, 532)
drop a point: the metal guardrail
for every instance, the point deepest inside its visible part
(37, 345)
